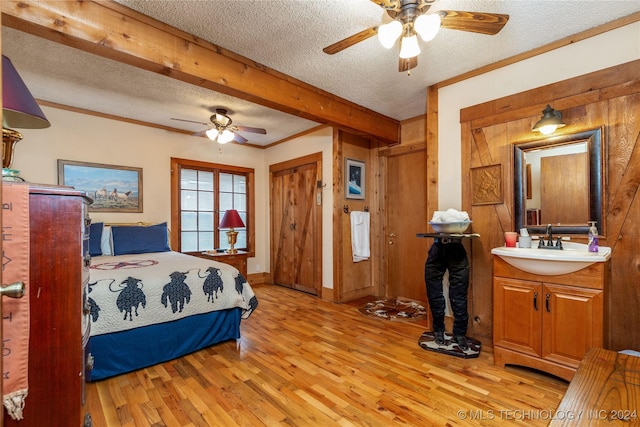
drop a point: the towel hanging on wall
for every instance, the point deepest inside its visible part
(360, 235)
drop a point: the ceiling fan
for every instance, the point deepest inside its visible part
(223, 130)
(410, 18)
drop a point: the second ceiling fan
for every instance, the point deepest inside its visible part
(410, 19)
(223, 131)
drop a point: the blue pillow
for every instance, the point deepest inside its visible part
(95, 237)
(140, 239)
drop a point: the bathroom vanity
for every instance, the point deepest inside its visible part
(548, 322)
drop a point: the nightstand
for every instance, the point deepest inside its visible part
(238, 260)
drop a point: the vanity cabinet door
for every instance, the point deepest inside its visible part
(571, 323)
(547, 322)
(517, 320)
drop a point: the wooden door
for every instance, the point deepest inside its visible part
(282, 236)
(572, 323)
(517, 315)
(406, 216)
(296, 234)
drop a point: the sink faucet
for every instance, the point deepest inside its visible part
(549, 235)
(550, 244)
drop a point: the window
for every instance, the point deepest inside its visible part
(201, 194)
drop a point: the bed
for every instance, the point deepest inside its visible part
(148, 304)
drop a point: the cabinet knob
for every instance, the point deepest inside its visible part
(14, 290)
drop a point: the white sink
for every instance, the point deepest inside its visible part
(550, 262)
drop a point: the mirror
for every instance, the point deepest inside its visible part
(559, 181)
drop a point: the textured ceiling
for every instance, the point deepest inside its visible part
(288, 36)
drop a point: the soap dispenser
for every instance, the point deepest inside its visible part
(593, 237)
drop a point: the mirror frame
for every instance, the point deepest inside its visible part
(593, 138)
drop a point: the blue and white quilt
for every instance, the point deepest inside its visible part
(132, 291)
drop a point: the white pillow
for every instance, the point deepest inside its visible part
(106, 241)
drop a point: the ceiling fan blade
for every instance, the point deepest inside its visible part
(190, 121)
(475, 22)
(252, 130)
(239, 138)
(201, 133)
(405, 64)
(350, 41)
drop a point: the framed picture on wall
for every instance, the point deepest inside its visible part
(112, 188)
(486, 185)
(354, 179)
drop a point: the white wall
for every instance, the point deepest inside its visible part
(80, 137)
(606, 50)
(320, 141)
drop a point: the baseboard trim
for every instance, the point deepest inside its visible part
(259, 278)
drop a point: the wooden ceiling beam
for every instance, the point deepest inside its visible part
(114, 31)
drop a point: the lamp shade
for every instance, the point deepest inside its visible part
(225, 136)
(231, 219)
(19, 108)
(409, 47)
(389, 33)
(212, 134)
(427, 26)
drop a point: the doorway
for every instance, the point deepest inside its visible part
(405, 206)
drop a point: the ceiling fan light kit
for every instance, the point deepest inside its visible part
(409, 47)
(220, 136)
(212, 134)
(410, 18)
(389, 33)
(427, 26)
(225, 136)
(223, 131)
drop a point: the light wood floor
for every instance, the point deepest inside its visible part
(306, 362)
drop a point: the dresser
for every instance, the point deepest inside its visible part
(59, 323)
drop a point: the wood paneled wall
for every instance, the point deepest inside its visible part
(356, 280)
(353, 280)
(608, 98)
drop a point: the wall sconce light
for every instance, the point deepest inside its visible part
(550, 121)
(19, 110)
(230, 221)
